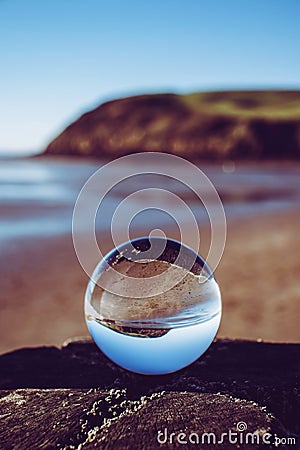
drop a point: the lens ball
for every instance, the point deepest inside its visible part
(153, 305)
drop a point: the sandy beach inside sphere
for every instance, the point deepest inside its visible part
(192, 298)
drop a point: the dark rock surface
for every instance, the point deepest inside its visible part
(74, 397)
(203, 125)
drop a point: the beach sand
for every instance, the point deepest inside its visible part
(43, 285)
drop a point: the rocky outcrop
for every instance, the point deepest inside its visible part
(213, 125)
(75, 398)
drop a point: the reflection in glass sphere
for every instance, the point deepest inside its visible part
(153, 305)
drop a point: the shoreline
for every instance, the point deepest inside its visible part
(43, 285)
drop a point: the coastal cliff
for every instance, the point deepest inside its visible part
(207, 125)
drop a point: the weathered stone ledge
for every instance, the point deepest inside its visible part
(74, 397)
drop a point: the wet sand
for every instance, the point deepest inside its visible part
(43, 285)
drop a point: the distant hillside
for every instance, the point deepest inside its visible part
(210, 125)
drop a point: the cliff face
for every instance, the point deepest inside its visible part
(212, 125)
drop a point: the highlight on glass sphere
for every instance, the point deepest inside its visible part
(153, 305)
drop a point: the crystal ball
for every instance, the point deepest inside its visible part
(153, 305)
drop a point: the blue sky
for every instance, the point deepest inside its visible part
(61, 57)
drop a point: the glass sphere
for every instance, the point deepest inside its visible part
(153, 305)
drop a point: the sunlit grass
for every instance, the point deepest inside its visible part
(262, 104)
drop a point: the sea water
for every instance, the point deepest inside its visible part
(152, 316)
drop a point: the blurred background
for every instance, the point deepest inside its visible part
(83, 83)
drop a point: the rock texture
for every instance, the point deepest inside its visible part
(208, 125)
(74, 398)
